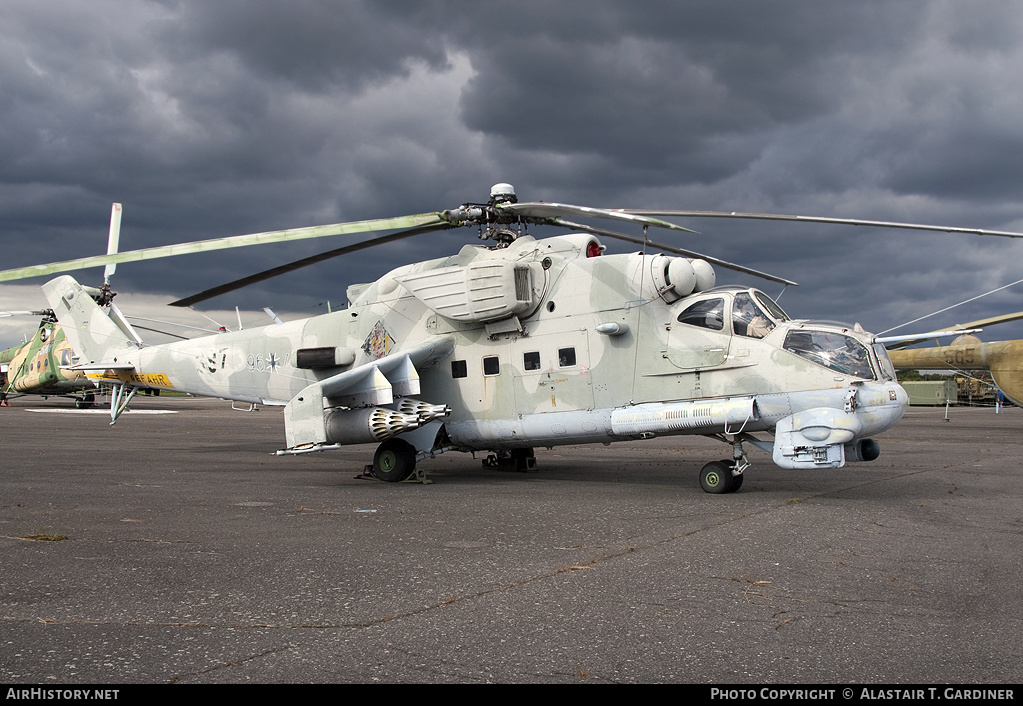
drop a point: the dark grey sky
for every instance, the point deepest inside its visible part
(208, 119)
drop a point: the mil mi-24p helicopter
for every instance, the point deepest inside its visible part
(522, 343)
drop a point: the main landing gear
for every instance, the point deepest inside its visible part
(717, 477)
(394, 461)
(522, 460)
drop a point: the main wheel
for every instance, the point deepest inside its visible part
(716, 477)
(395, 460)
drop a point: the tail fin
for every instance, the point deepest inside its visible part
(93, 334)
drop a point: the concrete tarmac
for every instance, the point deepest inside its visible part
(175, 548)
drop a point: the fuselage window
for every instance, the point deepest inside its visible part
(709, 313)
(566, 357)
(459, 369)
(491, 365)
(531, 361)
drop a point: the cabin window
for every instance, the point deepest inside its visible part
(531, 361)
(566, 357)
(65, 356)
(459, 369)
(491, 365)
(748, 319)
(709, 313)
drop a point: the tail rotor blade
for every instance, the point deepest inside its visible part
(112, 241)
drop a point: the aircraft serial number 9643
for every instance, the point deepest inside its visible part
(271, 362)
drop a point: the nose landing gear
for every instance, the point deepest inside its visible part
(725, 476)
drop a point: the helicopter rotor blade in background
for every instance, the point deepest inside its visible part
(304, 262)
(236, 241)
(898, 342)
(672, 249)
(816, 219)
(39, 312)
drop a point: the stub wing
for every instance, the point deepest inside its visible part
(347, 407)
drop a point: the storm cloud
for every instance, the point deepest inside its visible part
(213, 119)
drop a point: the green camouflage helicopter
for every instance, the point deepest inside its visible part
(43, 365)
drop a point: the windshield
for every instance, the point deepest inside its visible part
(887, 369)
(772, 307)
(843, 354)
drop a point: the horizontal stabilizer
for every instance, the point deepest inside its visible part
(95, 367)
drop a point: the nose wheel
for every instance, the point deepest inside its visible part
(716, 477)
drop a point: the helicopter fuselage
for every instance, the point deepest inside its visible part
(39, 366)
(539, 343)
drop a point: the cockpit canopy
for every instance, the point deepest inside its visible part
(753, 313)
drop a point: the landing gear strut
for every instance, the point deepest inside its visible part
(522, 460)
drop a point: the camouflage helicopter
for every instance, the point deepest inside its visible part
(520, 343)
(44, 364)
(1003, 359)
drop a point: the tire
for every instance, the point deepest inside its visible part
(716, 477)
(394, 461)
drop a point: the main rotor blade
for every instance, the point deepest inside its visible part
(893, 343)
(899, 342)
(678, 251)
(817, 219)
(236, 241)
(992, 320)
(41, 312)
(552, 211)
(304, 262)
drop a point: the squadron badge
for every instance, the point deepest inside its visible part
(378, 343)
